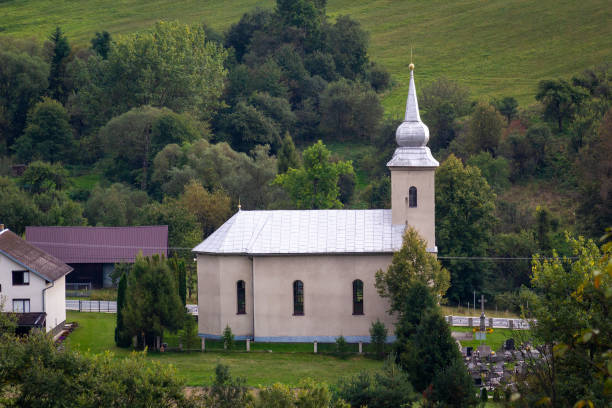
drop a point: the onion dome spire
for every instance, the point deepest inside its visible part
(412, 132)
(412, 136)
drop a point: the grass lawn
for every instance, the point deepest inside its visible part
(495, 340)
(497, 48)
(95, 335)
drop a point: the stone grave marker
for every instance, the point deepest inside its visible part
(484, 351)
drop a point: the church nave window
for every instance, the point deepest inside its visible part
(357, 297)
(240, 295)
(298, 298)
(412, 197)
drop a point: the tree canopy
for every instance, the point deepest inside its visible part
(316, 184)
(465, 206)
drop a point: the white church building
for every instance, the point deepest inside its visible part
(308, 275)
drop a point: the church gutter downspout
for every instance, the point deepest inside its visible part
(253, 292)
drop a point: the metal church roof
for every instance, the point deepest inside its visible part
(285, 232)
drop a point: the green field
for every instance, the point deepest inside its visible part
(496, 48)
(95, 335)
(494, 340)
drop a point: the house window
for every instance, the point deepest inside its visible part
(298, 298)
(412, 197)
(240, 296)
(21, 305)
(21, 278)
(357, 297)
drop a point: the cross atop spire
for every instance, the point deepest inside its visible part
(412, 104)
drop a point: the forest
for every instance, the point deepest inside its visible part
(179, 124)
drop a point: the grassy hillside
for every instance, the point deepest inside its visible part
(496, 47)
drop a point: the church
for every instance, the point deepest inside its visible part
(308, 275)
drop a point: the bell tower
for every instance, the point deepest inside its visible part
(413, 173)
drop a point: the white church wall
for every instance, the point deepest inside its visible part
(217, 296)
(421, 217)
(328, 297)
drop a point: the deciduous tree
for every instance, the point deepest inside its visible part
(316, 184)
(465, 206)
(349, 111)
(48, 135)
(412, 263)
(23, 80)
(560, 99)
(211, 209)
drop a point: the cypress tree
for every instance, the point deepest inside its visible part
(180, 274)
(121, 339)
(182, 286)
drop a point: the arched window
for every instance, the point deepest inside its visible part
(298, 298)
(357, 297)
(240, 296)
(412, 197)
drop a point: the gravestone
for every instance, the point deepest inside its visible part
(468, 351)
(509, 344)
(484, 351)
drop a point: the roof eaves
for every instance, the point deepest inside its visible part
(40, 275)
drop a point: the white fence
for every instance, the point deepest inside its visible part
(494, 322)
(106, 306)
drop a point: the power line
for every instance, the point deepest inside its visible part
(107, 246)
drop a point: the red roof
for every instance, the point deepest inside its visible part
(99, 244)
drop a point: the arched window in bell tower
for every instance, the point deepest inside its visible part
(412, 197)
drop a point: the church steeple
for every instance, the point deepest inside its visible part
(412, 135)
(413, 173)
(412, 132)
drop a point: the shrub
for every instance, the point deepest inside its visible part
(453, 386)
(228, 338)
(390, 388)
(378, 336)
(341, 346)
(275, 396)
(226, 391)
(189, 335)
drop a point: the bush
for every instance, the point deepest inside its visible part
(226, 391)
(228, 338)
(390, 388)
(189, 335)
(378, 336)
(342, 346)
(453, 386)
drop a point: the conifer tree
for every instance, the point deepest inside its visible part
(288, 157)
(152, 303)
(121, 339)
(61, 50)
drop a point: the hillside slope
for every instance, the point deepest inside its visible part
(496, 48)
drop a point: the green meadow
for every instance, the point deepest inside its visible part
(496, 48)
(286, 363)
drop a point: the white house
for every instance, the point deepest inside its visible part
(306, 275)
(32, 284)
